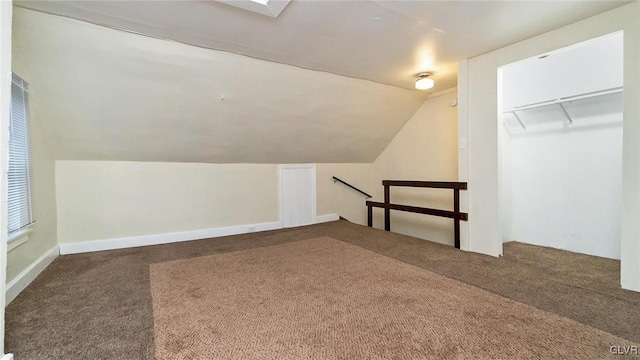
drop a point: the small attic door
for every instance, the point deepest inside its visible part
(298, 194)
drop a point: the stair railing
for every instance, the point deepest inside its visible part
(351, 186)
(456, 215)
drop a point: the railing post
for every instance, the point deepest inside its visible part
(456, 221)
(456, 215)
(387, 211)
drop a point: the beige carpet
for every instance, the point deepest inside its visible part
(325, 299)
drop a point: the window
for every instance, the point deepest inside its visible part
(19, 176)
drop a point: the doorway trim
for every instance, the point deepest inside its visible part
(477, 126)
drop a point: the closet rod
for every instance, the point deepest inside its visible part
(567, 99)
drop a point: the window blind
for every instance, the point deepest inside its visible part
(19, 176)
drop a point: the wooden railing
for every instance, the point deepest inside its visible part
(456, 215)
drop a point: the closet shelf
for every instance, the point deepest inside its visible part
(560, 102)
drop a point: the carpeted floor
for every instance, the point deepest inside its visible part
(325, 299)
(99, 305)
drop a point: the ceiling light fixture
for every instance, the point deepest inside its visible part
(271, 8)
(424, 82)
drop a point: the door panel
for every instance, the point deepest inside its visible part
(298, 195)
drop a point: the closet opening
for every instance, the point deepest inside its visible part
(560, 148)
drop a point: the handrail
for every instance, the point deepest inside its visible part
(420, 210)
(351, 186)
(426, 184)
(456, 215)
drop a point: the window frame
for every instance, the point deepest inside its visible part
(19, 172)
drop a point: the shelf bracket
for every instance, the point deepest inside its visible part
(564, 110)
(519, 120)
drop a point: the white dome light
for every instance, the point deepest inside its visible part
(424, 83)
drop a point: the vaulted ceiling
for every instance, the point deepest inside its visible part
(101, 94)
(382, 41)
(202, 81)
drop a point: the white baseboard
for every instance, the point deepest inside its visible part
(327, 218)
(7, 357)
(157, 239)
(29, 274)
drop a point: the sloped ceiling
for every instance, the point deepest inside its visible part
(382, 41)
(105, 94)
(102, 94)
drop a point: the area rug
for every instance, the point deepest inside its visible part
(325, 299)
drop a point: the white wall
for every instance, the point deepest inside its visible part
(5, 90)
(104, 200)
(424, 149)
(562, 182)
(479, 163)
(113, 199)
(567, 189)
(43, 237)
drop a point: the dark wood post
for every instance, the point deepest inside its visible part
(456, 221)
(387, 211)
(456, 215)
